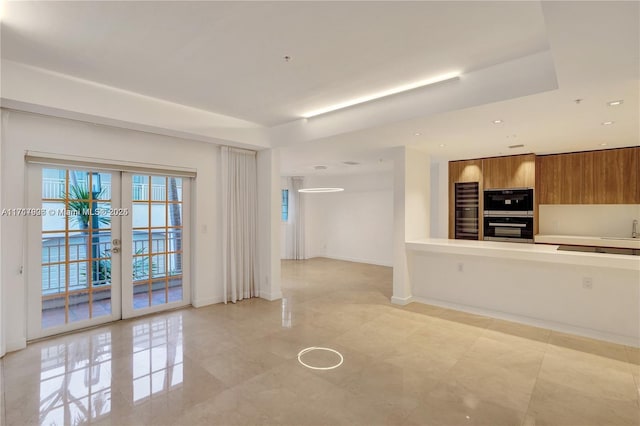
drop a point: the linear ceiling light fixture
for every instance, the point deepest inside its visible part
(404, 88)
(318, 190)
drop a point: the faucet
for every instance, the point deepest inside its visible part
(634, 229)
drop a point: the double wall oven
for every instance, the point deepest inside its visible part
(508, 215)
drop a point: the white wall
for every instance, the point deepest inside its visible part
(269, 214)
(603, 220)
(411, 221)
(23, 131)
(354, 225)
(2, 333)
(439, 198)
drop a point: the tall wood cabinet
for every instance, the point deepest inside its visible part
(516, 171)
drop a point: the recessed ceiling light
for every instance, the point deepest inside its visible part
(442, 145)
(497, 121)
(385, 93)
(320, 167)
(417, 134)
(603, 144)
(287, 58)
(607, 123)
(319, 190)
(516, 146)
(350, 163)
(615, 103)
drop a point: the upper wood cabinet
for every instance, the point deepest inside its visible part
(516, 171)
(465, 171)
(593, 177)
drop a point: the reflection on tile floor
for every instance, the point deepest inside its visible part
(236, 365)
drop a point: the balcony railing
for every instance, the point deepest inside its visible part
(56, 266)
(55, 189)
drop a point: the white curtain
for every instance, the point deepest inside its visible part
(296, 218)
(239, 219)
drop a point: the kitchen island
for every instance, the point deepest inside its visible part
(591, 294)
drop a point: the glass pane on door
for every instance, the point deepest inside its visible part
(76, 246)
(157, 227)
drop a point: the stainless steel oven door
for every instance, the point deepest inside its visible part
(508, 228)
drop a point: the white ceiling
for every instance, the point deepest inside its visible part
(227, 58)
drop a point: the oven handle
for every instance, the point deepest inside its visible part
(508, 225)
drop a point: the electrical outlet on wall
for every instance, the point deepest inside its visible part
(587, 283)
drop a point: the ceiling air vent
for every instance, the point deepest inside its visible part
(516, 146)
(350, 163)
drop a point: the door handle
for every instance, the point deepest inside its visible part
(115, 250)
(116, 242)
(508, 225)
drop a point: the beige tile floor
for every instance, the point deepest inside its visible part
(237, 364)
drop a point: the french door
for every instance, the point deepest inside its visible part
(155, 243)
(103, 245)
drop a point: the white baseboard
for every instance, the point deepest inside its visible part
(354, 259)
(402, 300)
(551, 325)
(199, 303)
(271, 296)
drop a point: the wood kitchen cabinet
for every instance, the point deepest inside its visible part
(515, 171)
(463, 171)
(594, 177)
(615, 176)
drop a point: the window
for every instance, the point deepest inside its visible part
(285, 205)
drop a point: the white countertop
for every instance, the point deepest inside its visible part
(523, 251)
(632, 243)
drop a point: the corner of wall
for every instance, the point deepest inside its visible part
(199, 303)
(271, 296)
